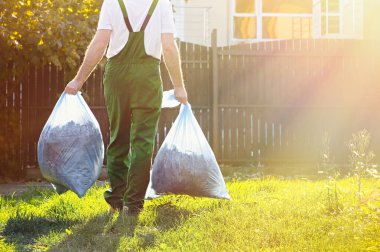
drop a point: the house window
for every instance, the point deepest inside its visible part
(245, 27)
(245, 19)
(272, 19)
(287, 6)
(245, 6)
(286, 28)
(330, 17)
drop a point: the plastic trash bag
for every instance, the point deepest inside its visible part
(185, 163)
(169, 100)
(70, 149)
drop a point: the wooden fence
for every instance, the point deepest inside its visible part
(266, 102)
(277, 100)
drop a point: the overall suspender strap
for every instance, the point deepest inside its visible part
(150, 13)
(125, 14)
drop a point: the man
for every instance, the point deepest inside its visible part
(135, 31)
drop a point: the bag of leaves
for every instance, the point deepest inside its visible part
(70, 149)
(185, 163)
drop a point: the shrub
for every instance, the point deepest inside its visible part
(42, 31)
(35, 33)
(328, 168)
(361, 157)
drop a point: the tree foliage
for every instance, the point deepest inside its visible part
(41, 31)
(35, 32)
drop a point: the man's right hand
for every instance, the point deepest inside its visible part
(180, 94)
(73, 87)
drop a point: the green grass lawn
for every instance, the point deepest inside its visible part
(266, 214)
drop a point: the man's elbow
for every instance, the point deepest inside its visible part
(102, 48)
(101, 40)
(169, 49)
(98, 47)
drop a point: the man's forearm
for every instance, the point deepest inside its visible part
(94, 54)
(173, 64)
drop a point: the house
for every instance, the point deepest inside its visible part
(245, 21)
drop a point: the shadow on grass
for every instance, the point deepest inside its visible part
(22, 230)
(101, 233)
(110, 232)
(170, 216)
(104, 232)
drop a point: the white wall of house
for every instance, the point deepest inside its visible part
(351, 17)
(195, 19)
(350, 23)
(371, 19)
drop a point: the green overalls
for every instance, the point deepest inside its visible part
(133, 95)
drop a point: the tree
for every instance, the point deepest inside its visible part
(40, 31)
(35, 33)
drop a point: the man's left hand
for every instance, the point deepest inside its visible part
(180, 94)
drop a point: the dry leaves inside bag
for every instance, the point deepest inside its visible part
(185, 163)
(70, 148)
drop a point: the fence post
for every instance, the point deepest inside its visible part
(215, 92)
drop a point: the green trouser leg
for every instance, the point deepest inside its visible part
(129, 153)
(118, 148)
(143, 131)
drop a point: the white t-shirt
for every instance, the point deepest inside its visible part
(111, 18)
